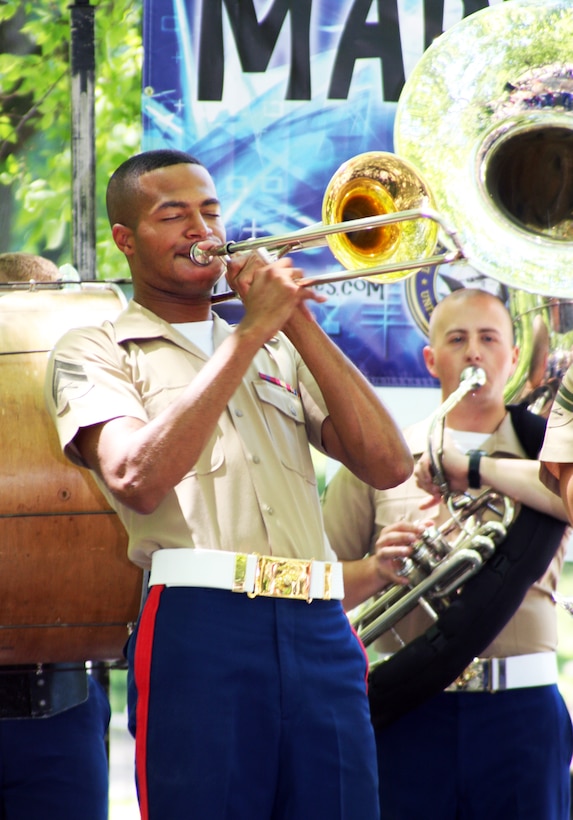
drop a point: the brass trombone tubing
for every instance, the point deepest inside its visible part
(390, 267)
(292, 242)
(363, 273)
(299, 240)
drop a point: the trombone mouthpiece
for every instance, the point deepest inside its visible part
(200, 256)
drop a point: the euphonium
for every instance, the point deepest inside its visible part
(444, 557)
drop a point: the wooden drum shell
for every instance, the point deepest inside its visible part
(67, 589)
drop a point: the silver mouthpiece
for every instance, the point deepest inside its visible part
(474, 375)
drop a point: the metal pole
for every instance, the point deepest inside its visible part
(83, 139)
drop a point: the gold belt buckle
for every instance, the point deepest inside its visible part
(279, 577)
(282, 578)
(471, 679)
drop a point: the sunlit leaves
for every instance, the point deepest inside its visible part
(35, 120)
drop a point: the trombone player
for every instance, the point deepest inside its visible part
(471, 753)
(247, 699)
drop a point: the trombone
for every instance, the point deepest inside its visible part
(378, 220)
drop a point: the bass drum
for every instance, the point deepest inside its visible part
(67, 589)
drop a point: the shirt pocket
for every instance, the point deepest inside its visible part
(285, 421)
(210, 460)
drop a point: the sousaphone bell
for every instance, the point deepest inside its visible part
(486, 116)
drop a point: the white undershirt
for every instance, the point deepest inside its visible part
(200, 333)
(465, 440)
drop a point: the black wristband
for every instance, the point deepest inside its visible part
(474, 478)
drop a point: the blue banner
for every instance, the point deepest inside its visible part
(273, 97)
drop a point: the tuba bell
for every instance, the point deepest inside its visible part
(487, 117)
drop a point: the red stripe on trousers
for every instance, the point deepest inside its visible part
(365, 653)
(142, 670)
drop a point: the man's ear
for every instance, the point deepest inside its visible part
(428, 355)
(123, 236)
(514, 358)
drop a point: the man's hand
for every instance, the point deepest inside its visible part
(393, 545)
(455, 465)
(269, 288)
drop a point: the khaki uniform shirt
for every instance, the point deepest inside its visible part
(355, 513)
(253, 488)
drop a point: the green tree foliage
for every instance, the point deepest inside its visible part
(35, 121)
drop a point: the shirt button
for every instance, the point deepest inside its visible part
(268, 510)
(238, 413)
(256, 460)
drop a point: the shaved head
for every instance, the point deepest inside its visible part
(22, 267)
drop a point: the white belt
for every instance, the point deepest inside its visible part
(498, 674)
(253, 574)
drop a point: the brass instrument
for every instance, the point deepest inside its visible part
(378, 221)
(544, 334)
(484, 165)
(487, 117)
(445, 557)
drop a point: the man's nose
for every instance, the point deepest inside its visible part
(473, 351)
(196, 227)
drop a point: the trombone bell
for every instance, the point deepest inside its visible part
(363, 197)
(378, 183)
